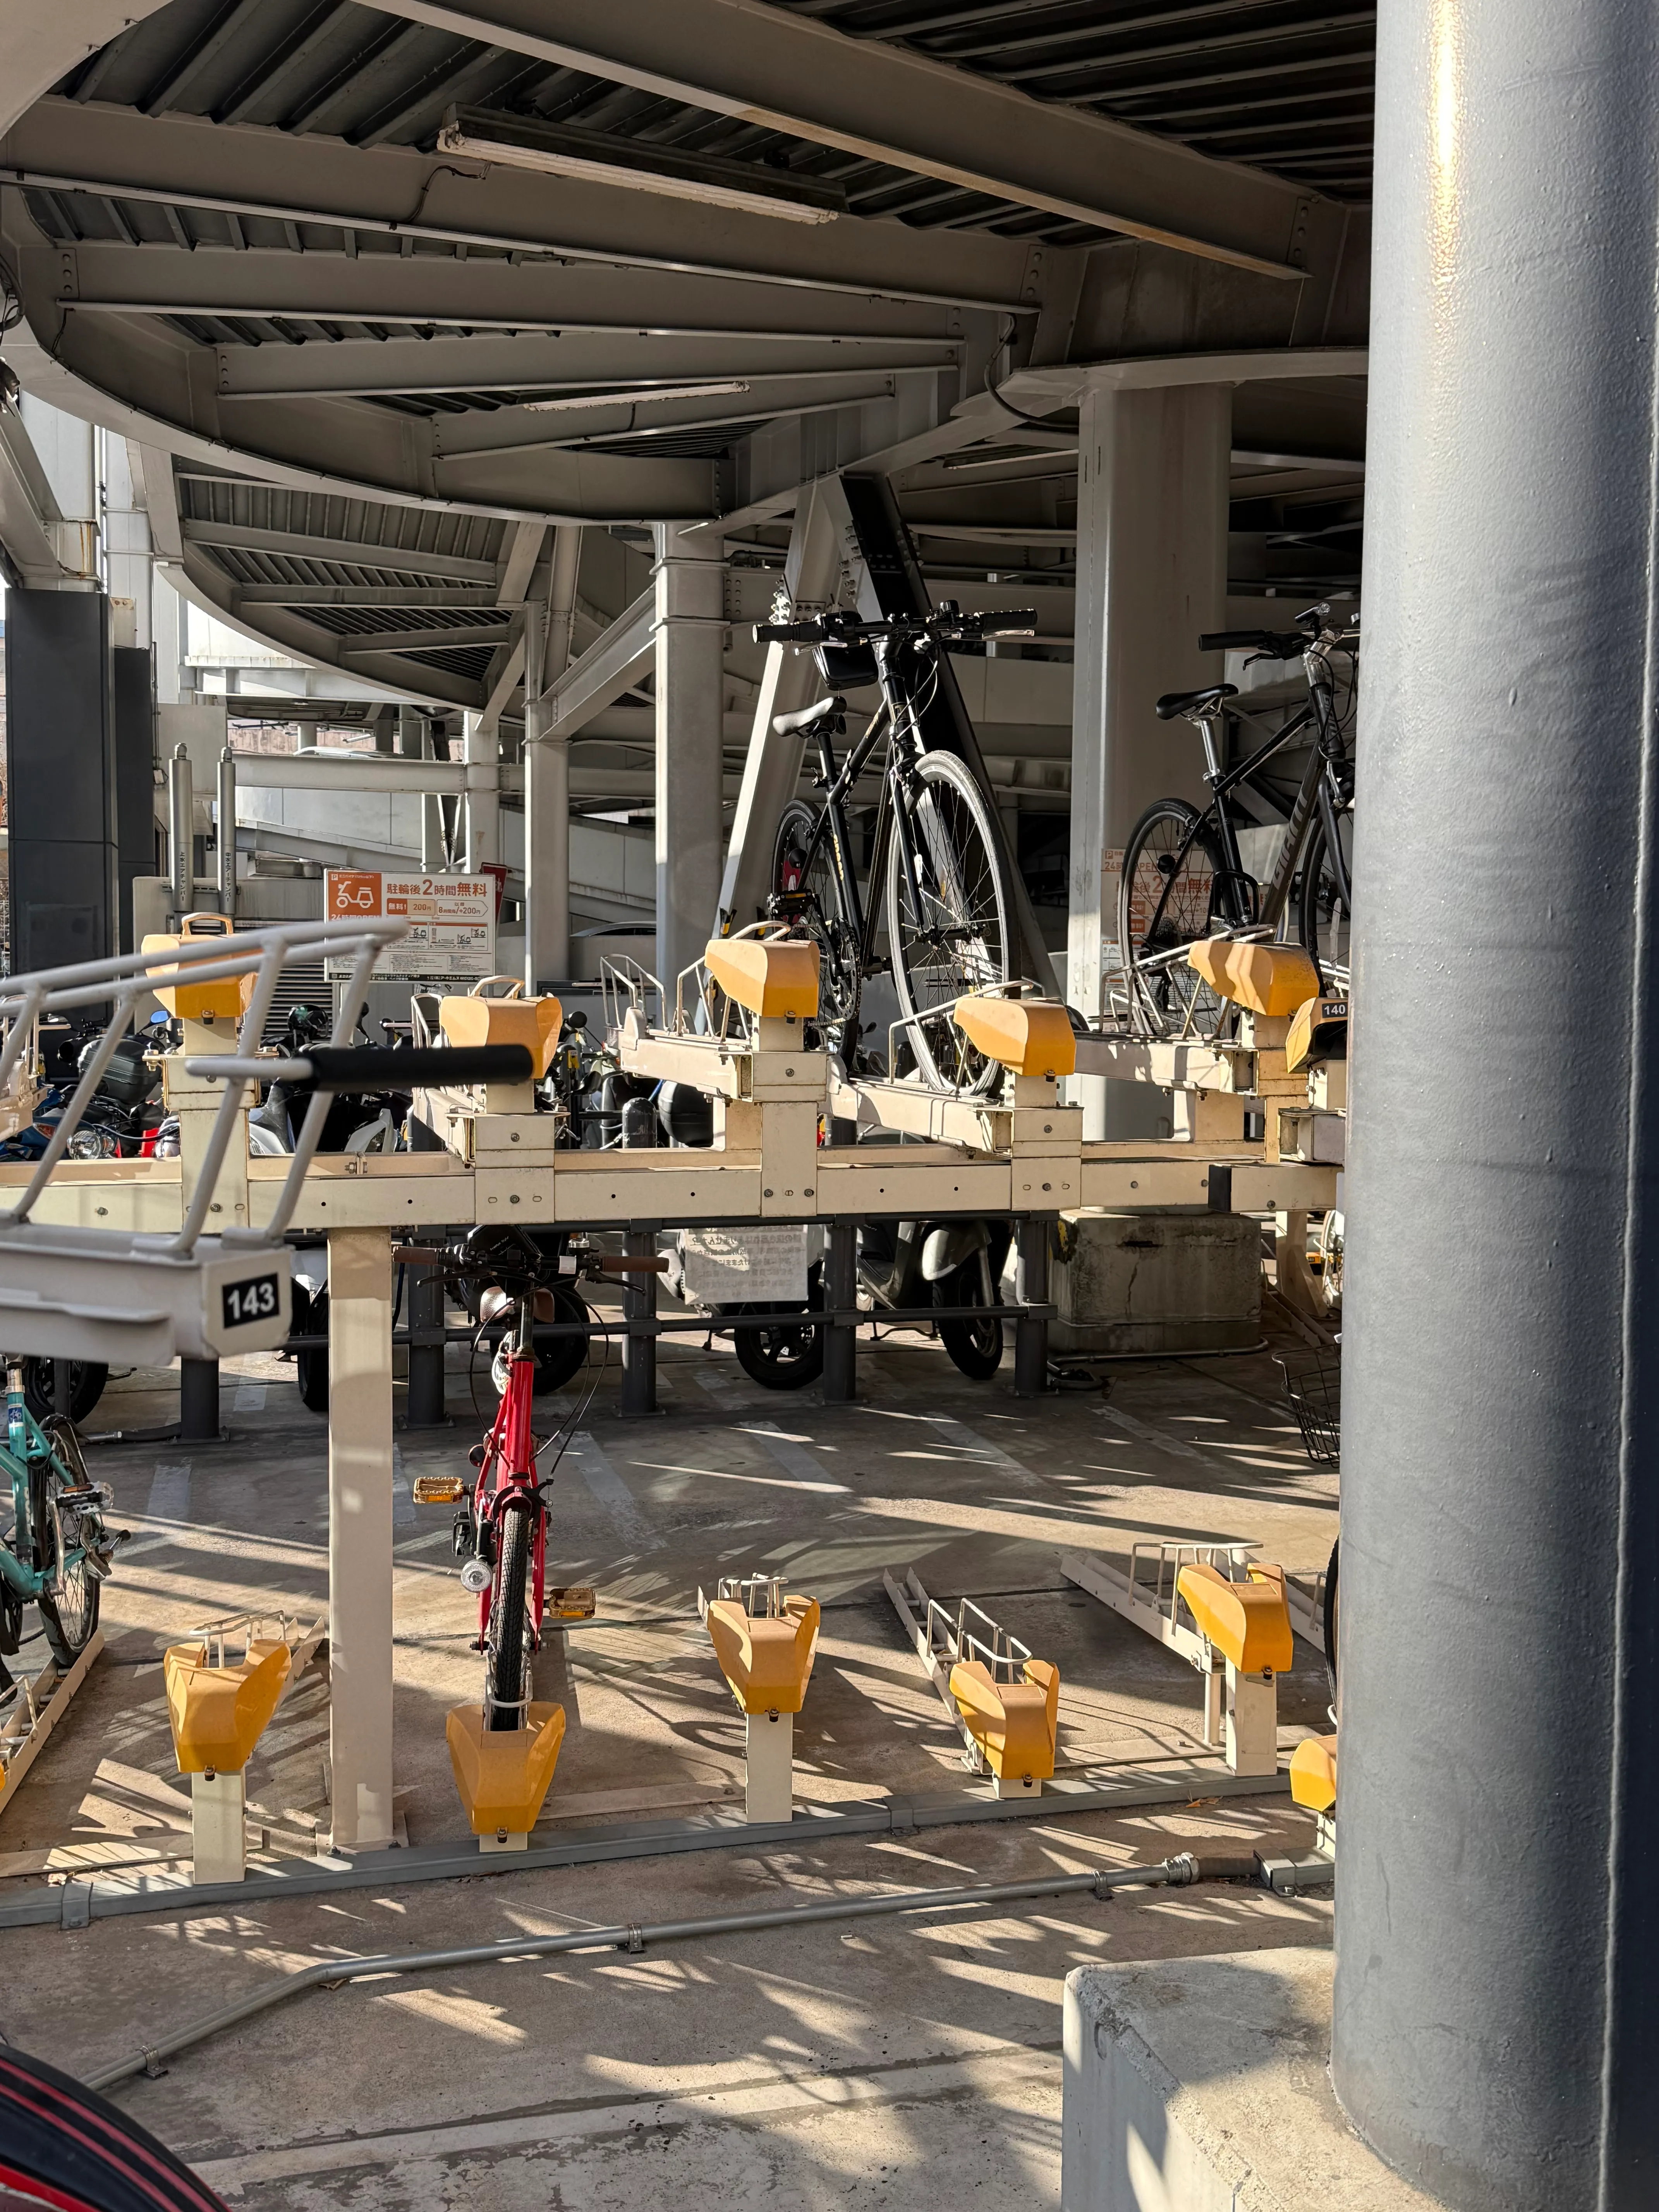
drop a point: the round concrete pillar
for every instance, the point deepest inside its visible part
(1495, 2034)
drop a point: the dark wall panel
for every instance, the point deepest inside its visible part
(135, 776)
(60, 768)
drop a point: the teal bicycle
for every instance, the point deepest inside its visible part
(59, 1549)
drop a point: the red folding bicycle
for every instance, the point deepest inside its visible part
(501, 1527)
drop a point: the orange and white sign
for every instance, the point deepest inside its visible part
(452, 921)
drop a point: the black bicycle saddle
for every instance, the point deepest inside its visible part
(786, 725)
(1182, 702)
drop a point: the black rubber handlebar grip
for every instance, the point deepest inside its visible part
(385, 1067)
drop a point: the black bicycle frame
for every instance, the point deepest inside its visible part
(1328, 757)
(892, 818)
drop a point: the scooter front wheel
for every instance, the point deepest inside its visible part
(975, 1345)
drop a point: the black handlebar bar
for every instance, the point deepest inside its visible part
(1278, 644)
(946, 625)
(385, 1068)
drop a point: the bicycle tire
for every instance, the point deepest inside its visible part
(87, 1381)
(69, 1613)
(780, 1358)
(1324, 921)
(966, 896)
(823, 917)
(62, 2143)
(975, 1348)
(1331, 1619)
(508, 1683)
(1167, 997)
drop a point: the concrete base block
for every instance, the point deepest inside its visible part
(1168, 1279)
(1203, 2085)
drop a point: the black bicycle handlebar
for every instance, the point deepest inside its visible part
(1278, 644)
(385, 1067)
(945, 625)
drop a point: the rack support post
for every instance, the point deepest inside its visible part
(639, 1351)
(840, 1338)
(1031, 1289)
(360, 1535)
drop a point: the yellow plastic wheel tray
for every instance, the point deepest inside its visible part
(534, 1022)
(1248, 1623)
(1269, 979)
(198, 1002)
(1318, 1032)
(1032, 1036)
(1015, 1724)
(504, 1776)
(773, 978)
(768, 1662)
(219, 1713)
(1313, 1774)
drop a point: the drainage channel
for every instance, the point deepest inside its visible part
(1176, 1872)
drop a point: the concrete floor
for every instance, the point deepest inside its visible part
(827, 2066)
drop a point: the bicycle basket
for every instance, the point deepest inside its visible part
(1314, 1386)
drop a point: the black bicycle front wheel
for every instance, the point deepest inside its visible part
(950, 933)
(1169, 900)
(69, 1603)
(1324, 919)
(508, 1702)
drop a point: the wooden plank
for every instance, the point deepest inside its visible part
(58, 1704)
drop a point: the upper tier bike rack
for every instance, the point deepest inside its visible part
(70, 1289)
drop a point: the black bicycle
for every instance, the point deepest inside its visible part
(935, 865)
(1184, 877)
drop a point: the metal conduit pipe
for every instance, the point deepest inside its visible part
(1176, 1872)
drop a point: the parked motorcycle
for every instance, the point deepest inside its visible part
(367, 1121)
(955, 1265)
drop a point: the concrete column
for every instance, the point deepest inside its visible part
(690, 586)
(1151, 573)
(1496, 2035)
(360, 1535)
(483, 752)
(547, 777)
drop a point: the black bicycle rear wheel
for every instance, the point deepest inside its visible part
(1172, 895)
(69, 1604)
(508, 1688)
(805, 884)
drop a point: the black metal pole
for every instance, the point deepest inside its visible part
(639, 1351)
(424, 1402)
(840, 1292)
(1496, 2032)
(199, 1402)
(1031, 1289)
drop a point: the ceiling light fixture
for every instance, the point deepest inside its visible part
(636, 399)
(558, 149)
